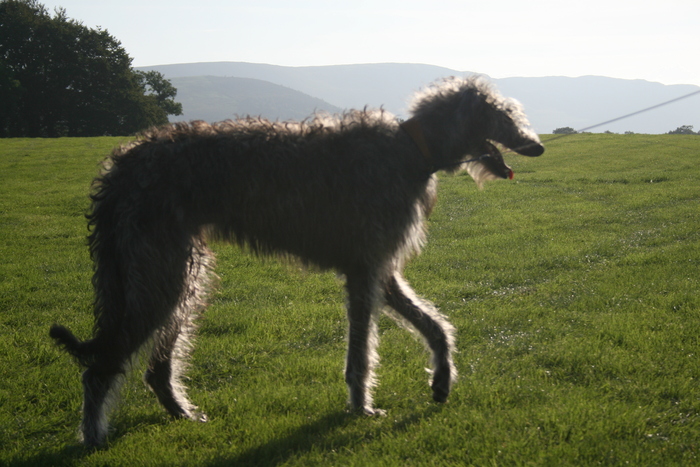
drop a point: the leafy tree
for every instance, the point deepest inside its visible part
(10, 92)
(564, 131)
(683, 130)
(155, 84)
(58, 77)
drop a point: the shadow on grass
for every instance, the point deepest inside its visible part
(331, 433)
(325, 435)
(69, 455)
(73, 453)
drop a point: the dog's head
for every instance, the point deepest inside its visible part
(465, 118)
(504, 121)
(490, 118)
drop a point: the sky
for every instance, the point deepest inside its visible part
(631, 39)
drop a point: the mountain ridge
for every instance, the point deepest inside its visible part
(296, 92)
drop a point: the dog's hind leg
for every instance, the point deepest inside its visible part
(100, 387)
(106, 364)
(172, 344)
(167, 364)
(432, 325)
(139, 290)
(165, 368)
(362, 289)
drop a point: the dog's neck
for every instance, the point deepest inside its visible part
(415, 131)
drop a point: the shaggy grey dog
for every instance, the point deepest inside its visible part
(348, 192)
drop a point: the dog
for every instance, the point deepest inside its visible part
(349, 192)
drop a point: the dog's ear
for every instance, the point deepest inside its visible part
(489, 166)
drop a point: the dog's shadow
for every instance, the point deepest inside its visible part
(324, 434)
(327, 433)
(70, 455)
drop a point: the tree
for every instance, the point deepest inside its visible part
(61, 78)
(10, 92)
(155, 84)
(564, 131)
(683, 130)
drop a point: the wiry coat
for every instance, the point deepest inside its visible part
(348, 192)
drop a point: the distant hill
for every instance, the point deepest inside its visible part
(554, 102)
(215, 98)
(550, 102)
(346, 86)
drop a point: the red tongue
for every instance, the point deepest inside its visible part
(511, 175)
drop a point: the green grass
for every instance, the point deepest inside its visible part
(575, 290)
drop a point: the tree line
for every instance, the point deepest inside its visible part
(681, 130)
(684, 130)
(61, 78)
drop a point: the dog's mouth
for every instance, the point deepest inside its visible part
(494, 163)
(492, 159)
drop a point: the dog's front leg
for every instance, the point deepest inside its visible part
(432, 325)
(362, 341)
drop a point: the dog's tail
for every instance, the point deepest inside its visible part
(108, 296)
(81, 350)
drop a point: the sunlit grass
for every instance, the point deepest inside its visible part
(574, 290)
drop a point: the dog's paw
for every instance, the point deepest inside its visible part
(374, 412)
(195, 416)
(441, 385)
(367, 412)
(440, 395)
(200, 417)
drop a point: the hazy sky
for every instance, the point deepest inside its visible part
(636, 39)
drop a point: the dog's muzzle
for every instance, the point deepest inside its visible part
(530, 150)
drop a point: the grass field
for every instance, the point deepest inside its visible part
(575, 290)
